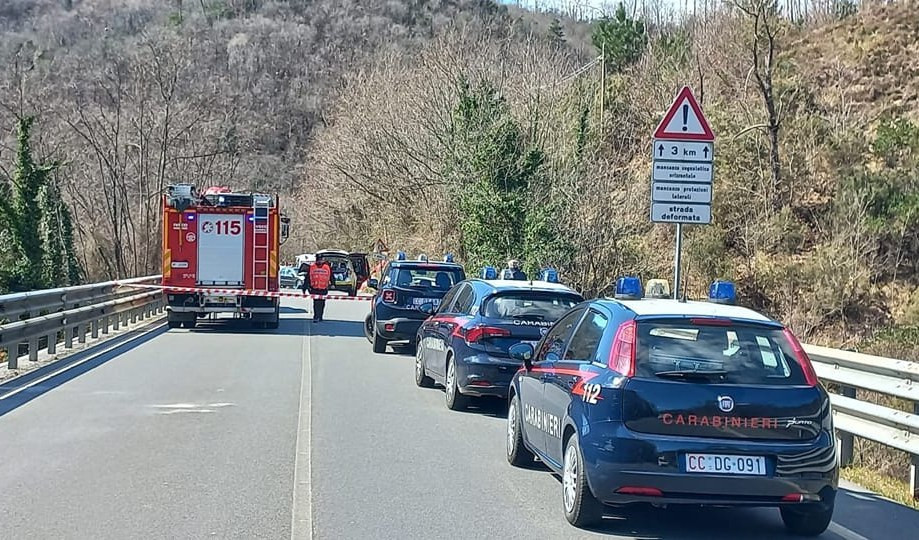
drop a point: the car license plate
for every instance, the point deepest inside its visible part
(726, 464)
(422, 301)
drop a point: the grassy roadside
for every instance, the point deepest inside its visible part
(880, 483)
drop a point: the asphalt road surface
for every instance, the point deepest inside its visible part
(223, 432)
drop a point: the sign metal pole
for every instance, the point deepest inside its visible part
(676, 261)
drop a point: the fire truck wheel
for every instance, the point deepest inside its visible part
(190, 324)
(174, 324)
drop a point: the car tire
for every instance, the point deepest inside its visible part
(582, 509)
(368, 327)
(454, 399)
(421, 377)
(190, 324)
(518, 454)
(811, 520)
(174, 324)
(379, 344)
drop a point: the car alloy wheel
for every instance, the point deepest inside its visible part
(511, 427)
(451, 381)
(570, 478)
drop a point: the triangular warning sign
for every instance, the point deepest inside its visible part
(684, 120)
(379, 246)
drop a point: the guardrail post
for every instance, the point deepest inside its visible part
(914, 465)
(116, 322)
(12, 357)
(68, 337)
(133, 316)
(846, 440)
(81, 333)
(52, 343)
(95, 328)
(105, 324)
(33, 349)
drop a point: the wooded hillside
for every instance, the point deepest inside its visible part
(483, 129)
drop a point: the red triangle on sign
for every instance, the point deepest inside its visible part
(684, 120)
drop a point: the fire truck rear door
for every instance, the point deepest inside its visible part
(220, 249)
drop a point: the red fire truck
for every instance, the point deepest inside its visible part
(216, 245)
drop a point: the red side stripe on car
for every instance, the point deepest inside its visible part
(584, 377)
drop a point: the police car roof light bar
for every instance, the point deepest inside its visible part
(422, 257)
(722, 292)
(400, 256)
(549, 275)
(489, 272)
(448, 257)
(628, 288)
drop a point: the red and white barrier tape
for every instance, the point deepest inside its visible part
(245, 292)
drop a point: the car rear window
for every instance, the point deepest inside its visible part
(531, 306)
(339, 265)
(737, 353)
(438, 279)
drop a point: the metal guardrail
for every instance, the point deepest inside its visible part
(854, 418)
(37, 320)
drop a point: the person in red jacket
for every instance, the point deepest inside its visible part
(320, 277)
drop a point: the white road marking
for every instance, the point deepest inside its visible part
(302, 513)
(174, 411)
(845, 533)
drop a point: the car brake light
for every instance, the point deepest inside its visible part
(644, 491)
(478, 333)
(622, 354)
(803, 360)
(793, 497)
(389, 296)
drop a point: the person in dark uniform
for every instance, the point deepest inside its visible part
(320, 277)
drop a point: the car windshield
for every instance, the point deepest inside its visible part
(526, 305)
(287, 271)
(434, 278)
(740, 354)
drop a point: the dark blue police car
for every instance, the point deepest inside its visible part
(407, 286)
(671, 402)
(464, 345)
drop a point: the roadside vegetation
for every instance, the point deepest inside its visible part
(491, 132)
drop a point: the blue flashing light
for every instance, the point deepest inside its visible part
(722, 292)
(549, 274)
(628, 288)
(423, 258)
(190, 217)
(400, 256)
(489, 272)
(448, 257)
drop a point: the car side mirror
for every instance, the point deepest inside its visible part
(426, 308)
(373, 283)
(523, 352)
